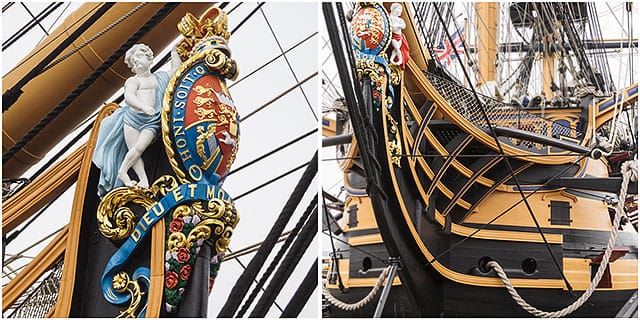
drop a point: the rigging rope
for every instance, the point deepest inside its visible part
(295, 77)
(279, 96)
(272, 60)
(55, 22)
(248, 17)
(334, 256)
(52, 40)
(629, 173)
(243, 283)
(610, 141)
(290, 261)
(96, 36)
(27, 27)
(272, 180)
(10, 96)
(245, 268)
(159, 16)
(274, 263)
(364, 301)
(7, 6)
(36, 20)
(303, 293)
(272, 151)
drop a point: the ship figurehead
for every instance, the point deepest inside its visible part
(381, 51)
(200, 133)
(380, 48)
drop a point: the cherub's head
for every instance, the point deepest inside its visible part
(396, 9)
(138, 57)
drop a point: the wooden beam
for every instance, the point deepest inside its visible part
(548, 68)
(46, 188)
(65, 293)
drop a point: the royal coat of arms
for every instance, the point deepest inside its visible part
(200, 121)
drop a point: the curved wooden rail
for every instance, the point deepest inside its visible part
(46, 188)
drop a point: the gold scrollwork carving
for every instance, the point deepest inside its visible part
(199, 232)
(218, 60)
(163, 185)
(218, 217)
(394, 145)
(176, 241)
(115, 219)
(223, 217)
(367, 67)
(122, 283)
(182, 211)
(396, 74)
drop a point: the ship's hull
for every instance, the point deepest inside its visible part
(472, 301)
(443, 256)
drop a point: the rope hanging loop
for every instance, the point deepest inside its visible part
(629, 171)
(364, 301)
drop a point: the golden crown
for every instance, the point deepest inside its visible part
(210, 30)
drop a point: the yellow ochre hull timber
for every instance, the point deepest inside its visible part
(46, 188)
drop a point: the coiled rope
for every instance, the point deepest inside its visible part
(629, 173)
(363, 302)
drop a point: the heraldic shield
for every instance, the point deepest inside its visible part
(189, 217)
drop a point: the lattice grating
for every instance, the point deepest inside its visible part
(38, 300)
(499, 113)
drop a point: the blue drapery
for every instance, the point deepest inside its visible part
(111, 146)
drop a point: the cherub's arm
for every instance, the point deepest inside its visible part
(175, 61)
(131, 98)
(401, 23)
(398, 22)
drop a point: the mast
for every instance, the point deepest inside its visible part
(547, 25)
(548, 66)
(487, 25)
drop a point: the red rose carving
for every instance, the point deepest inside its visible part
(183, 255)
(176, 225)
(170, 280)
(185, 272)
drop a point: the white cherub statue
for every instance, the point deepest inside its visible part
(397, 38)
(127, 133)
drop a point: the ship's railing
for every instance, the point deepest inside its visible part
(499, 113)
(40, 299)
